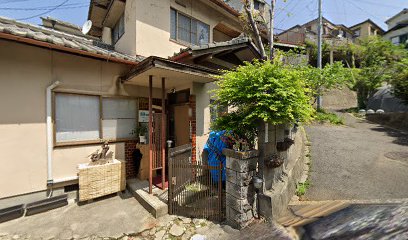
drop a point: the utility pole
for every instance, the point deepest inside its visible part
(319, 50)
(271, 28)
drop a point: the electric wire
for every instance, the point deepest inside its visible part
(46, 12)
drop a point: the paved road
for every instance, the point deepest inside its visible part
(358, 161)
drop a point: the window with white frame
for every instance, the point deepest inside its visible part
(189, 30)
(119, 29)
(78, 118)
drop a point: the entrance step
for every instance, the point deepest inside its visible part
(155, 203)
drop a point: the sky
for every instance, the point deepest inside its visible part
(288, 13)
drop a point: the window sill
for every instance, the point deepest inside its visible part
(185, 44)
(90, 142)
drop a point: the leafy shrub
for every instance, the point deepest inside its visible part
(261, 92)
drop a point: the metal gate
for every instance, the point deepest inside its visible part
(193, 189)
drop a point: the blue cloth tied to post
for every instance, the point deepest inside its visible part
(214, 147)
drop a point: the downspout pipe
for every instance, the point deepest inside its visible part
(50, 135)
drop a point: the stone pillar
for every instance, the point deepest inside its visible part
(240, 191)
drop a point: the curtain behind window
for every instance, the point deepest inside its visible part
(119, 117)
(173, 24)
(77, 117)
(184, 28)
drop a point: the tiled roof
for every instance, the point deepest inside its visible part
(234, 41)
(15, 30)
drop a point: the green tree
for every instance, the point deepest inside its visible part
(377, 61)
(267, 91)
(400, 80)
(332, 76)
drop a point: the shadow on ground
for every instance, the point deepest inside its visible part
(400, 137)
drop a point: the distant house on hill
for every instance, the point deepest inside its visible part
(398, 28)
(366, 28)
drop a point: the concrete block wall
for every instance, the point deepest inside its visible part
(240, 191)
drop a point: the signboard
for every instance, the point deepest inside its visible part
(143, 116)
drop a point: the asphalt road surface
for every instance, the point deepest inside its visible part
(361, 160)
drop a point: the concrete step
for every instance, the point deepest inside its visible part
(155, 203)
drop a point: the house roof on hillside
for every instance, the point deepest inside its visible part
(49, 38)
(324, 20)
(405, 10)
(219, 46)
(367, 21)
(219, 55)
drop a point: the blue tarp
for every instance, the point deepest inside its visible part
(214, 147)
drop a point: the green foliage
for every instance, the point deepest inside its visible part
(262, 91)
(326, 117)
(378, 62)
(302, 187)
(400, 80)
(330, 77)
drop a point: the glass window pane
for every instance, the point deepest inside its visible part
(76, 117)
(173, 24)
(119, 108)
(118, 128)
(119, 117)
(184, 28)
(203, 31)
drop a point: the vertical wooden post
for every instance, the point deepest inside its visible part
(163, 133)
(150, 134)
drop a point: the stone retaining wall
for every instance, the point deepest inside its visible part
(240, 191)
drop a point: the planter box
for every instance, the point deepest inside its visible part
(100, 180)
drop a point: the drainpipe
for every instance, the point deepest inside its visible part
(50, 136)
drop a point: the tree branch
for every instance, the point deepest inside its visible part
(255, 30)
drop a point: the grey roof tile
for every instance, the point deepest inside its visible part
(59, 38)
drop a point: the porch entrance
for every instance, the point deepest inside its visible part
(195, 188)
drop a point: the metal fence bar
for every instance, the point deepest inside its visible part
(193, 192)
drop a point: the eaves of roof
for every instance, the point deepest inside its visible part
(52, 39)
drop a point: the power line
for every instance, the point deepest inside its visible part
(311, 2)
(66, 6)
(46, 12)
(352, 3)
(379, 4)
(284, 8)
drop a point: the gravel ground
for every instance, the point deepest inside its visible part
(361, 160)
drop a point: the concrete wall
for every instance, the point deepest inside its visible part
(337, 99)
(147, 25)
(364, 29)
(26, 71)
(203, 116)
(399, 19)
(395, 33)
(126, 44)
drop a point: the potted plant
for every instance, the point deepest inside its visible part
(140, 131)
